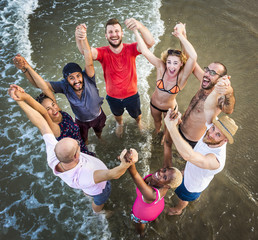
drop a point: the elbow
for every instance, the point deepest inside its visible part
(186, 156)
(150, 44)
(193, 56)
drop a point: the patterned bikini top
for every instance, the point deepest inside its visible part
(174, 90)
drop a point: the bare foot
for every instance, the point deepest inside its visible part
(106, 213)
(119, 130)
(172, 211)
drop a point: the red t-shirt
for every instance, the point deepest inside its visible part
(119, 70)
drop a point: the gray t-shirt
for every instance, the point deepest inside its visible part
(86, 108)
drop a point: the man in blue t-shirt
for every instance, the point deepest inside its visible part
(78, 86)
(81, 91)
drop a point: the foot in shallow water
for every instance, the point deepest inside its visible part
(119, 130)
(106, 213)
(172, 211)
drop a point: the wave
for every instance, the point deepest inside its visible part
(31, 189)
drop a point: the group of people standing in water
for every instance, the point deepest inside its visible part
(199, 135)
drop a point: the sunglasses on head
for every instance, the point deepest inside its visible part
(172, 51)
(211, 72)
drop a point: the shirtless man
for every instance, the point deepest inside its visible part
(193, 125)
(193, 120)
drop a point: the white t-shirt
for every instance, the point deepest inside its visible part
(197, 179)
(79, 177)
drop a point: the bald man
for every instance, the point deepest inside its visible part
(78, 170)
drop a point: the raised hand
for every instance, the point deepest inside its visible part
(179, 29)
(172, 118)
(132, 24)
(129, 156)
(223, 86)
(16, 93)
(20, 62)
(81, 31)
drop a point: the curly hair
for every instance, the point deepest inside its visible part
(176, 179)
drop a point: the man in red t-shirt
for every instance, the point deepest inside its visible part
(118, 63)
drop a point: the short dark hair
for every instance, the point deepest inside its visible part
(112, 21)
(225, 69)
(41, 97)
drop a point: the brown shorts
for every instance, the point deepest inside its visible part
(97, 124)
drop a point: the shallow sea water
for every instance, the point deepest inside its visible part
(37, 205)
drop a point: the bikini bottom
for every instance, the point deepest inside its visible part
(161, 110)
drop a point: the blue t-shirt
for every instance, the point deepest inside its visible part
(86, 108)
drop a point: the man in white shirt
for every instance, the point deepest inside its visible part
(208, 156)
(78, 170)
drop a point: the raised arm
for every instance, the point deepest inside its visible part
(34, 116)
(197, 71)
(148, 192)
(35, 79)
(84, 48)
(189, 50)
(22, 96)
(208, 161)
(146, 52)
(217, 99)
(116, 172)
(227, 101)
(132, 24)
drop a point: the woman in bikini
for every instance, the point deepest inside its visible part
(173, 70)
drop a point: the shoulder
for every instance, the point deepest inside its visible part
(59, 86)
(61, 82)
(101, 52)
(132, 48)
(86, 77)
(65, 114)
(102, 49)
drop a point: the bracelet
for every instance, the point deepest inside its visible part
(25, 70)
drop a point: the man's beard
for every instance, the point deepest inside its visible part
(77, 89)
(115, 45)
(210, 86)
(210, 141)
